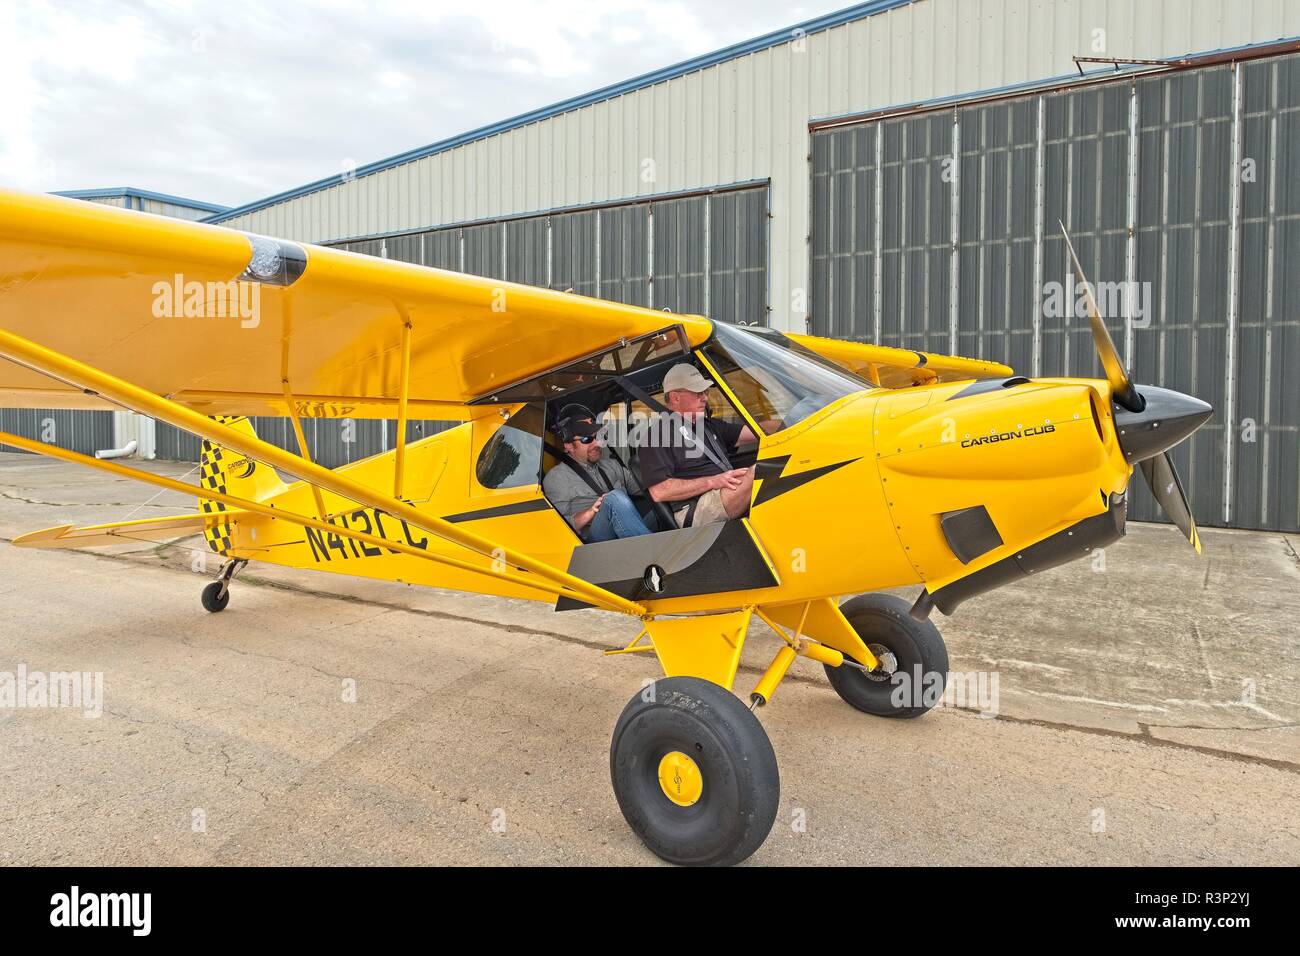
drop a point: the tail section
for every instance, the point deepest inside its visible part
(119, 532)
(231, 473)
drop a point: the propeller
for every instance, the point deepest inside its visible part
(1122, 388)
(1147, 429)
(1163, 481)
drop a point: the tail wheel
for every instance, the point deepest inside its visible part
(904, 646)
(694, 773)
(214, 599)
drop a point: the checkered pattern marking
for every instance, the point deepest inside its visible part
(213, 462)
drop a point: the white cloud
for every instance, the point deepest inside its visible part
(229, 100)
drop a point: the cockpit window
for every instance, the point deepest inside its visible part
(513, 456)
(622, 359)
(774, 377)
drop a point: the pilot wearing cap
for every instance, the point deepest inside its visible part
(690, 469)
(597, 502)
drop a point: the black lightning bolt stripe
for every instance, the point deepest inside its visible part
(500, 511)
(775, 483)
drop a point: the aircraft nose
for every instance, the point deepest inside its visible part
(1167, 419)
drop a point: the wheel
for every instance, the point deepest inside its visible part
(694, 773)
(213, 599)
(904, 646)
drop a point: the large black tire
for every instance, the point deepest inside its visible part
(885, 624)
(213, 599)
(740, 787)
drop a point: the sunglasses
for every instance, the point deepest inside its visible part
(585, 439)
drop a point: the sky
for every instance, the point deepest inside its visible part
(229, 101)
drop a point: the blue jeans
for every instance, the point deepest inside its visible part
(617, 518)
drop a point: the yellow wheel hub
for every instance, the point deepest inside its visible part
(680, 778)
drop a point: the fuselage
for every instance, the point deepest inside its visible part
(853, 498)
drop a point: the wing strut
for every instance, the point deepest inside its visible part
(254, 507)
(404, 388)
(302, 445)
(93, 380)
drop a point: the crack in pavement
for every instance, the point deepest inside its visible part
(82, 504)
(359, 678)
(239, 780)
(1144, 736)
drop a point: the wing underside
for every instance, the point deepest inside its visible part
(225, 323)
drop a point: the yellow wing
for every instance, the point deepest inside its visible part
(898, 368)
(155, 301)
(123, 532)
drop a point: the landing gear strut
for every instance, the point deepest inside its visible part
(904, 646)
(217, 594)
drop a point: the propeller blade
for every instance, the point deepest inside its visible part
(1163, 481)
(1121, 386)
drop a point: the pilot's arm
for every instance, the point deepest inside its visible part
(578, 507)
(681, 489)
(656, 477)
(736, 434)
(584, 518)
(747, 435)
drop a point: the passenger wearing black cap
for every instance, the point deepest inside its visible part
(596, 517)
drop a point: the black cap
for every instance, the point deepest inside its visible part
(571, 429)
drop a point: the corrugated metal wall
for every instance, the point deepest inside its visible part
(704, 253)
(1267, 485)
(746, 118)
(155, 206)
(173, 210)
(1142, 174)
(84, 432)
(332, 441)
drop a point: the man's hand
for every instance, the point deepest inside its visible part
(584, 518)
(729, 480)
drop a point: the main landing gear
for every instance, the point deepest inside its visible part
(217, 594)
(692, 768)
(694, 773)
(904, 646)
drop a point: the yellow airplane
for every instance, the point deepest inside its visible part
(874, 467)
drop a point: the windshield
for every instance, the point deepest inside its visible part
(775, 378)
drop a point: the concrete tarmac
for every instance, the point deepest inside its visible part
(1147, 712)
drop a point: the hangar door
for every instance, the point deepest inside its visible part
(938, 231)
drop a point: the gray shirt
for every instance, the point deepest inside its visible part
(571, 495)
